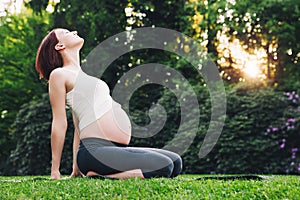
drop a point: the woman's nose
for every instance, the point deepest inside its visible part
(74, 32)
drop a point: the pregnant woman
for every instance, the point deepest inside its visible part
(102, 128)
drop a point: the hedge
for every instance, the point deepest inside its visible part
(260, 135)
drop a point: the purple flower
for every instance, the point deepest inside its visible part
(268, 130)
(298, 168)
(282, 145)
(292, 163)
(293, 120)
(283, 140)
(275, 129)
(294, 149)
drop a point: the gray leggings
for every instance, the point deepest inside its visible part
(105, 157)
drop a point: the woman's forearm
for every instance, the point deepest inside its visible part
(58, 134)
(76, 142)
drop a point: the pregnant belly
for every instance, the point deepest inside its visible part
(114, 125)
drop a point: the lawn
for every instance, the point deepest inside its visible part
(182, 187)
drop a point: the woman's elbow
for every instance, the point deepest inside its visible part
(59, 124)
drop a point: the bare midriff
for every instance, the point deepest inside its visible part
(114, 126)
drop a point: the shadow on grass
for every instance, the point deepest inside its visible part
(234, 177)
(204, 177)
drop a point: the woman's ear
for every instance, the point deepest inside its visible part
(59, 47)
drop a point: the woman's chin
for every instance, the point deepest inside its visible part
(80, 43)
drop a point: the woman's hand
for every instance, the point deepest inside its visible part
(75, 173)
(55, 175)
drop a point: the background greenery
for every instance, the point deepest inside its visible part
(261, 132)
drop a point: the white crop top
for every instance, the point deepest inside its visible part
(89, 99)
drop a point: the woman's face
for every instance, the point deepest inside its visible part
(68, 39)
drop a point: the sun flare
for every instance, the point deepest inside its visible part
(252, 69)
(250, 64)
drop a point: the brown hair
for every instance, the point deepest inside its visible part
(48, 58)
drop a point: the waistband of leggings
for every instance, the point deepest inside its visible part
(98, 142)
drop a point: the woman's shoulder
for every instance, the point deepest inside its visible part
(57, 73)
(58, 77)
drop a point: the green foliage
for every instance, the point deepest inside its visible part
(94, 20)
(244, 145)
(291, 81)
(273, 26)
(32, 130)
(182, 187)
(37, 5)
(286, 130)
(160, 14)
(19, 82)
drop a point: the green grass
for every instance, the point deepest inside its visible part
(182, 187)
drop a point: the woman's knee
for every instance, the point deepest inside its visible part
(177, 162)
(165, 172)
(171, 165)
(177, 167)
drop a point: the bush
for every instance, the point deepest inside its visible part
(19, 40)
(286, 132)
(258, 121)
(244, 145)
(31, 132)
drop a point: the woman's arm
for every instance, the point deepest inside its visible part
(57, 92)
(76, 142)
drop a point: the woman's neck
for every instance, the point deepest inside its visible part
(71, 59)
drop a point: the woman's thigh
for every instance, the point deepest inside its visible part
(119, 159)
(173, 156)
(177, 161)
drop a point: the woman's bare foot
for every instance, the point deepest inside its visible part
(91, 173)
(122, 175)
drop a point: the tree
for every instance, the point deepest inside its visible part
(19, 82)
(271, 25)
